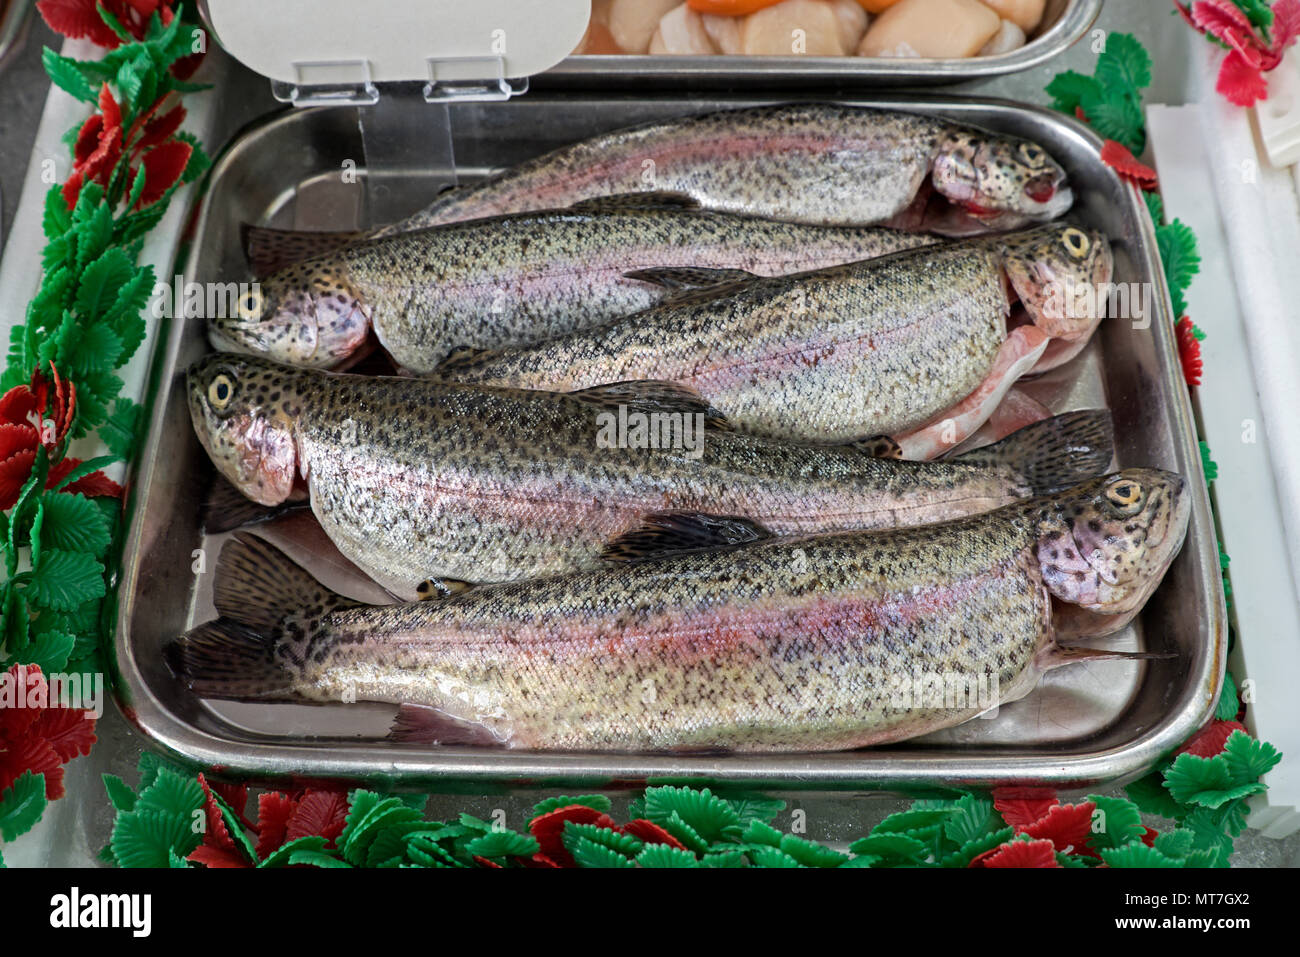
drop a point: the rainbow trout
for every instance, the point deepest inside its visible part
(815, 163)
(417, 481)
(511, 280)
(803, 644)
(875, 348)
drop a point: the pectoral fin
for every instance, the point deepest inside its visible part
(648, 395)
(689, 278)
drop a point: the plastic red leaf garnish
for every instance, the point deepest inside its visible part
(216, 857)
(1022, 854)
(1286, 24)
(16, 438)
(320, 813)
(1149, 836)
(94, 485)
(70, 731)
(163, 166)
(77, 18)
(548, 829)
(216, 835)
(33, 754)
(1241, 81)
(1189, 351)
(274, 809)
(16, 722)
(1222, 19)
(14, 472)
(159, 129)
(651, 833)
(1081, 116)
(1209, 741)
(484, 862)
(1121, 159)
(17, 404)
(539, 860)
(1067, 826)
(1021, 807)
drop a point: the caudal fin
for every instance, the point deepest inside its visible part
(269, 250)
(227, 659)
(1056, 453)
(257, 587)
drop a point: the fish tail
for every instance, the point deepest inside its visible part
(239, 654)
(269, 250)
(1054, 454)
(228, 659)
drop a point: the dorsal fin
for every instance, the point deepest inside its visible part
(689, 278)
(652, 395)
(257, 585)
(646, 200)
(669, 533)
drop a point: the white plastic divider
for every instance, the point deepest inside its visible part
(1207, 161)
(57, 840)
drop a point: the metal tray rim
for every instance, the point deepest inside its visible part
(831, 771)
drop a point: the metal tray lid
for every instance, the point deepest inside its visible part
(323, 51)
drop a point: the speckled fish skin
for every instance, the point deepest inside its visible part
(511, 280)
(832, 355)
(788, 645)
(815, 163)
(419, 479)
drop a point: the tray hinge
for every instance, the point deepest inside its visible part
(328, 83)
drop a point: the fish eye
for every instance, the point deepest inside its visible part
(220, 391)
(1032, 155)
(1076, 242)
(1126, 495)
(250, 304)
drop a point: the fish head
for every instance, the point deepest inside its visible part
(244, 410)
(1105, 545)
(998, 181)
(306, 314)
(1061, 274)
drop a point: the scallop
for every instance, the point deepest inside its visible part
(943, 29)
(633, 22)
(793, 27)
(681, 33)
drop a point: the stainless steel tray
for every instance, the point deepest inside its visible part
(1064, 22)
(1082, 727)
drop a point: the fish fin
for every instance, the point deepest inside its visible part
(256, 583)
(227, 508)
(1058, 656)
(422, 724)
(689, 278)
(878, 447)
(269, 250)
(647, 200)
(228, 659)
(668, 533)
(652, 395)
(432, 589)
(461, 357)
(1056, 453)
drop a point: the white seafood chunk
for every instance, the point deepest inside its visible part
(633, 22)
(943, 29)
(681, 33)
(853, 22)
(724, 32)
(793, 28)
(1009, 38)
(1026, 14)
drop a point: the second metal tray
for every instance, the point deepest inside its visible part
(1082, 727)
